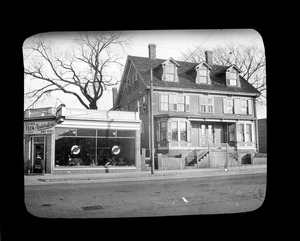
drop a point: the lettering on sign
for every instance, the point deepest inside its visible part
(39, 127)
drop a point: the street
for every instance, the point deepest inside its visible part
(143, 198)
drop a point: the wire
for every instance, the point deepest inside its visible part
(199, 46)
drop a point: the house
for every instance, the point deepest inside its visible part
(196, 106)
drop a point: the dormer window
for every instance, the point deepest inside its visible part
(232, 76)
(170, 70)
(203, 73)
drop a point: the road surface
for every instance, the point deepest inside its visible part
(142, 198)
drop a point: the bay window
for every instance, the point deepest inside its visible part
(174, 130)
(163, 131)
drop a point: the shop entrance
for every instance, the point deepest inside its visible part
(38, 155)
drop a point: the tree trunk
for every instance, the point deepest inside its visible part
(93, 105)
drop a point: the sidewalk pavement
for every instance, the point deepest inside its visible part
(141, 175)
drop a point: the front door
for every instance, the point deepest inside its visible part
(206, 135)
(38, 154)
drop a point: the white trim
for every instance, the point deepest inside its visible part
(100, 125)
(217, 92)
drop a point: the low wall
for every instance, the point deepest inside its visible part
(170, 163)
(259, 160)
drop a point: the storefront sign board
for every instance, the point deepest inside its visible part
(41, 127)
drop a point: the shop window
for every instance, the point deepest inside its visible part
(125, 133)
(86, 132)
(65, 132)
(78, 151)
(106, 133)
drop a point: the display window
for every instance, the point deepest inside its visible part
(90, 147)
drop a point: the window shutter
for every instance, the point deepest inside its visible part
(225, 105)
(237, 106)
(169, 131)
(250, 109)
(187, 103)
(188, 129)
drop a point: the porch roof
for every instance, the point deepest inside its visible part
(207, 117)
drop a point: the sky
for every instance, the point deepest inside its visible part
(169, 43)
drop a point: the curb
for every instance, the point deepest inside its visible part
(159, 175)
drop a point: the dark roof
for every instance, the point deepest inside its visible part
(186, 76)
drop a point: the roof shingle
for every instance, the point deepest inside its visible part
(186, 76)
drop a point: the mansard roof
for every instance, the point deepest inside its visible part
(187, 75)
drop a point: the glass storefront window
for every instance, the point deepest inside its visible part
(91, 147)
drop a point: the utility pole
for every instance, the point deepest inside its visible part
(151, 122)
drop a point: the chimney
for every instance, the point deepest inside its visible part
(114, 95)
(152, 51)
(209, 57)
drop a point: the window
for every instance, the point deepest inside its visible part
(233, 78)
(183, 131)
(172, 103)
(91, 147)
(187, 103)
(210, 106)
(229, 108)
(248, 133)
(164, 102)
(231, 132)
(240, 132)
(163, 131)
(203, 74)
(174, 130)
(244, 107)
(202, 104)
(170, 72)
(206, 104)
(180, 103)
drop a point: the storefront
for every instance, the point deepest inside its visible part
(79, 140)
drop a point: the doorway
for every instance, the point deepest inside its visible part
(206, 135)
(38, 154)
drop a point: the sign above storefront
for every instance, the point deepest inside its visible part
(40, 127)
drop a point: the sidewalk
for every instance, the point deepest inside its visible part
(143, 175)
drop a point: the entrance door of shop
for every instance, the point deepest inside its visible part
(206, 135)
(38, 155)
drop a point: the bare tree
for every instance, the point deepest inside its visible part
(249, 59)
(82, 72)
